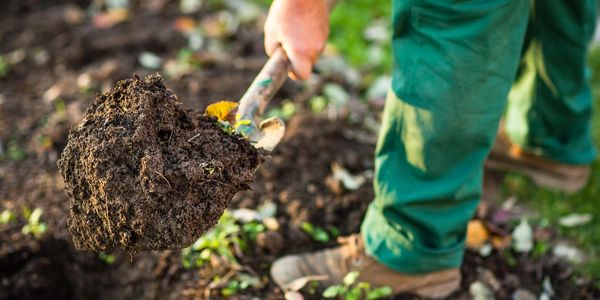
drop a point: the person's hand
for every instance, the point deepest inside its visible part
(301, 28)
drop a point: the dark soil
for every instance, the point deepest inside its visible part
(294, 178)
(48, 268)
(143, 173)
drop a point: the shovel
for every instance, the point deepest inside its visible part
(267, 133)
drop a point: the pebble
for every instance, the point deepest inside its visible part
(523, 294)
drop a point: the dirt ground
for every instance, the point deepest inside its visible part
(64, 59)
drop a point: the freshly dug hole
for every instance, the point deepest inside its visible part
(145, 173)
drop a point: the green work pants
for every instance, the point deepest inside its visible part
(455, 62)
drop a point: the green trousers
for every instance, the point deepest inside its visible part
(455, 63)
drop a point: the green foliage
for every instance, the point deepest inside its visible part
(7, 216)
(34, 226)
(540, 249)
(351, 290)
(285, 111)
(252, 229)
(348, 22)
(221, 242)
(317, 233)
(241, 282)
(3, 67)
(218, 242)
(109, 259)
(318, 104)
(13, 151)
(224, 244)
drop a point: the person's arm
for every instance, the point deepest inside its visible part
(301, 28)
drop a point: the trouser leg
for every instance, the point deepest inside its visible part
(550, 105)
(454, 64)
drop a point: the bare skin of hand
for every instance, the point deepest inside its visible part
(301, 28)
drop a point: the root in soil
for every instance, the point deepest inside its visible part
(144, 173)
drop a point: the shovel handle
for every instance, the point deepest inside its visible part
(265, 85)
(267, 82)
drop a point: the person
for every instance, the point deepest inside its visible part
(454, 64)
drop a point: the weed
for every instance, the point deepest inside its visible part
(14, 152)
(3, 67)
(217, 242)
(318, 104)
(317, 233)
(285, 111)
(34, 226)
(241, 282)
(540, 248)
(224, 242)
(352, 290)
(7, 216)
(109, 259)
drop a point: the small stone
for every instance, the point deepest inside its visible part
(523, 294)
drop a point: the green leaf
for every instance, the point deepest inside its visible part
(332, 291)
(107, 258)
(3, 67)
(350, 278)
(317, 233)
(318, 104)
(381, 292)
(7, 216)
(34, 218)
(320, 235)
(353, 294)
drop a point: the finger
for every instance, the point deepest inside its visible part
(301, 64)
(271, 43)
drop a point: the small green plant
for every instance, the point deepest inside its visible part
(109, 259)
(352, 290)
(14, 152)
(286, 110)
(317, 233)
(7, 216)
(252, 229)
(34, 226)
(224, 242)
(223, 245)
(241, 282)
(318, 104)
(3, 67)
(218, 242)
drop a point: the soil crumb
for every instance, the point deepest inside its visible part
(144, 173)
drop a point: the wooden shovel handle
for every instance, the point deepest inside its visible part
(265, 85)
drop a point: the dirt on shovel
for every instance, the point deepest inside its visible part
(144, 173)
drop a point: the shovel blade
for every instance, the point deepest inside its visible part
(271, 132)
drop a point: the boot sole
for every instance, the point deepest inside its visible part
(540, 178)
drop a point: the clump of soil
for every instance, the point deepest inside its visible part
(145, 173)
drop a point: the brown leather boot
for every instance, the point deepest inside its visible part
(544, 172)
(335, 263)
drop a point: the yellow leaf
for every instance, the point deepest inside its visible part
(222, 110)
(185, 24)
(477, 234)
(501, 242)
